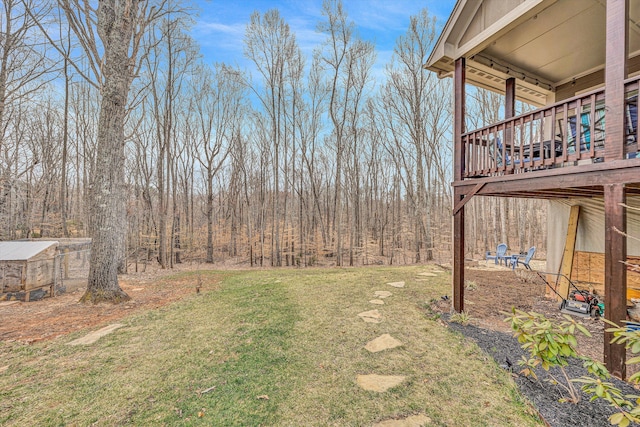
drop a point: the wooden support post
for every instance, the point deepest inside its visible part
(615, 72)
(458, 257)
(510, 98)
(509, 112)
(65, 253)
(459, 161)
(569, 248)
(615, 273)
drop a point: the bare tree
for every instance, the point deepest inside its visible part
(416, 109)
(113, 57)
(339, 54)
(217, 104)
(172, 55)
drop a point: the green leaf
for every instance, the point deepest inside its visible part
(583, 330)
(616, 418)
(634, 378)
(635, 348)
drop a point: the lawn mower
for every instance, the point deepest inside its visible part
(579, 302)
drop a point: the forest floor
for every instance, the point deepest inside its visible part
(29, 322)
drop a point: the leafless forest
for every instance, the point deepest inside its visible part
(302, 161)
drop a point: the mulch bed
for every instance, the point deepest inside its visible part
(495, 291)
(544, 396)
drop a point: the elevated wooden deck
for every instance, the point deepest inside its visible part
(557, 151)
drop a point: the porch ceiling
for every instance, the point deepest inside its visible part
(543, 43)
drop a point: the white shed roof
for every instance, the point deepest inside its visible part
(19, 251)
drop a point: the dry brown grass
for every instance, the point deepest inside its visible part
(290, 335)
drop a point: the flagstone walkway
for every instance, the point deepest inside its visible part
(386, 342)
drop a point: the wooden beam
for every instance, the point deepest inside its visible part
(615, 72)
(567, 255)
(458, 152)
(597, 174)
(615, 273)
(467, 197)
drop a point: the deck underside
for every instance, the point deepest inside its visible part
(574, 181)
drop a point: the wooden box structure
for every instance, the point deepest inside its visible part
(27, 269)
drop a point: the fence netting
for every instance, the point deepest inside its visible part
(71, 270)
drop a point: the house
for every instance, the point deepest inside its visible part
(27, 269)
(578, 61)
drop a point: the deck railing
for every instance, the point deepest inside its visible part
(570, 132)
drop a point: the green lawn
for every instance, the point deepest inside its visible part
(272, 348)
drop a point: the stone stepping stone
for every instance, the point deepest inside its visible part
(396, 284)
(382, 294)
(5, 303)
(428, 274)
(383, 342)
(379, 383)
(420, 420)
(371, 316)
(96, 335)
(377, 301)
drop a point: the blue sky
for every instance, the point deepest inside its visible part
(220, 27)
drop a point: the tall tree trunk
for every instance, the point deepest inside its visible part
(210, 219)
(115, 28)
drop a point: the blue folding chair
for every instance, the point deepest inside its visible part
(499, 255)
(515, 260)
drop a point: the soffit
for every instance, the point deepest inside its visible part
(543, 43)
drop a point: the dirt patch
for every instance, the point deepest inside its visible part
(30, 322)
(491, 290)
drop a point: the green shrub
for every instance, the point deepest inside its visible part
(551, 344)
(548, 344)
(462, 318)
(628, 406)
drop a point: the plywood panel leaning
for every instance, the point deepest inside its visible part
(588, 268)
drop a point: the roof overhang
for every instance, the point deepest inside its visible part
(544, 44)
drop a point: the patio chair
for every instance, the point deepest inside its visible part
(631, 112)
(499, 255)
(518, 259)
(632, 126)
(585, 131)
(515, 160)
